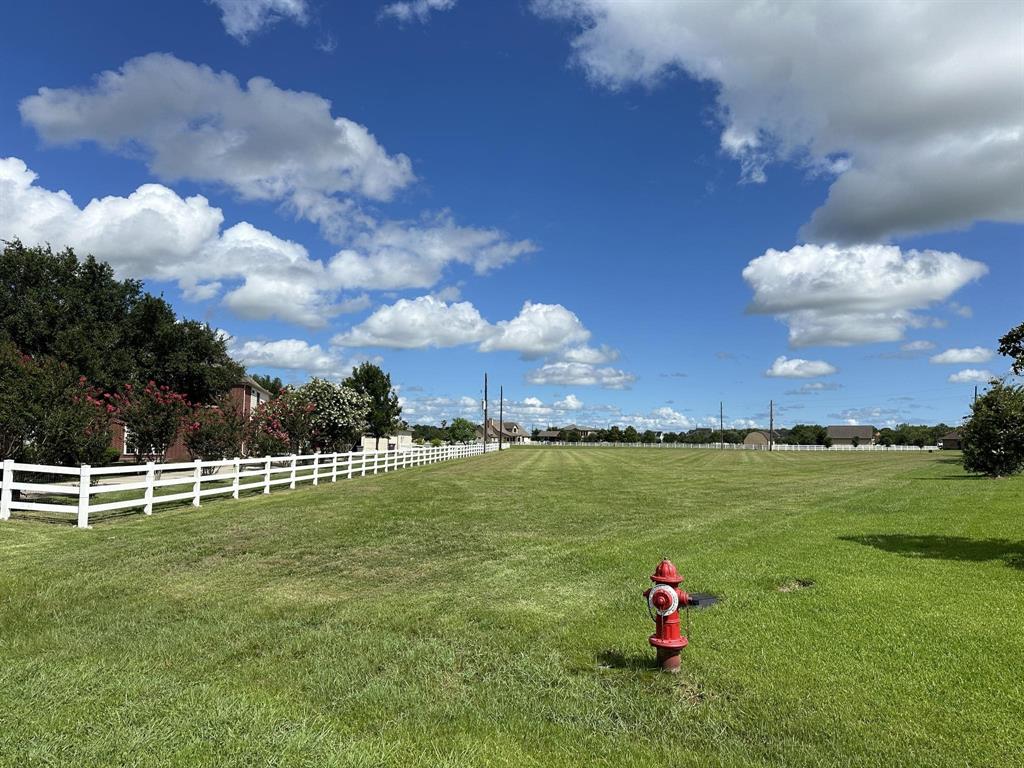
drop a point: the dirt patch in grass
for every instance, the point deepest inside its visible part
(795, 585)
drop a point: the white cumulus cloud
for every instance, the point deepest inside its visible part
(243, 18)
(418, 323)
(415, 10)
(569, 403)
(964, 356)
(837, 296)
(538, 329)
(155, 234)
(194, 123)
(797, 368)
(580, 374)
(914, 107)
(971, 376)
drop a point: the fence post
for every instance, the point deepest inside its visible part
(334, 467)
(349, 461)
(316, 468)
(150, 478)
(291, 485)
(235, 483)
(197, 482)
(84, 480)
(266, 477)
(6, 492)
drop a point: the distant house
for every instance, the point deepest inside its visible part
(759, 437)
(246, 396)
(852, 434)
(951, 442)
(402, 440)
(510, 432)
(585, 432)
(548, 436)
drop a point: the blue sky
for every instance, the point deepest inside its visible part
(624, 212)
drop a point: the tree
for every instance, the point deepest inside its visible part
(461, 431)
(385, 412)
(216, 431)
(48, 415)
(649, 436)
(338, 416)
(630, 435)
(279, 426)
(152, 416)
(110, 331)
(273, 385)
(1012, 345)
(993, 437)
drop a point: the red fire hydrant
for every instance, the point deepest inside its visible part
(663, 601)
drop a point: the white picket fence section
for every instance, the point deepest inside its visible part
(742, 447)
(202, 479)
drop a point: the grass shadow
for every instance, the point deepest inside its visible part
(612, 659)
(946, 547)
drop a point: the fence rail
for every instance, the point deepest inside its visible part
(79, 495)
(742, 447)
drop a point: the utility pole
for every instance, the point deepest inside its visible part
(501, 415)
(975, 394)
(485, 413)
(721, 425)
(771, 424)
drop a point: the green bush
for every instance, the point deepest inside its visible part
(993, 438)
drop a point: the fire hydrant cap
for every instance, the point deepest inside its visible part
(666, 573)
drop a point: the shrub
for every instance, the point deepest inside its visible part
(215, 432)
(993, 438)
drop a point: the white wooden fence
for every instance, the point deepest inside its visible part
(200, 479)
(742, 447)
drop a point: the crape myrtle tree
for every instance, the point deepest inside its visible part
(214, 432)
(48, 414)
(152, 415)
(318, 416)
(340, 414)
(385, 412)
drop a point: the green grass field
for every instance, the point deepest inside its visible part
(488, 612)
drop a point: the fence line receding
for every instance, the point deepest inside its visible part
(200, 479)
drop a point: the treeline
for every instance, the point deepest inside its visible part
(801, 434)
(459, 431)
(81, 352)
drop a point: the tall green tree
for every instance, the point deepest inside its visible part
(993, 437)
(1012, 345)
(273, 385)
(461, 431)
(385, 417)
(108, 330)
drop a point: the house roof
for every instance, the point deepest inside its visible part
(549, 433)
(775, 434)
(257, 386)
(850, 431)
(578, 428)
(954, 435)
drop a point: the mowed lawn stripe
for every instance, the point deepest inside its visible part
(488, 612)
